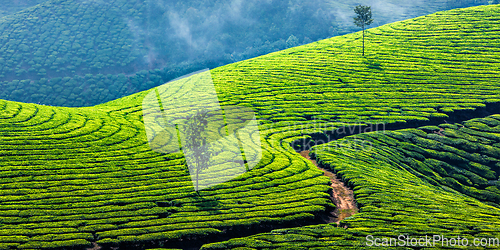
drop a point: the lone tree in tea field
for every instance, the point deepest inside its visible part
(363, 19)
(196, 141)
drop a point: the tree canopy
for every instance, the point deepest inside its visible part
(363, 19)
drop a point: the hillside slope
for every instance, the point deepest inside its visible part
(11, 7)
(82, 53)
(72, 176)
(414, 70)
(434, 180)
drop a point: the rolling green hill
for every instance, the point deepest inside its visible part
(82, 53)
(72, 176)
(414, 182)
(414, 70)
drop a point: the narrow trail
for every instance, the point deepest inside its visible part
(341, 196)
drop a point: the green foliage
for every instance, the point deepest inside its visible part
(71, 176)
(10, 7)
(196, 140)
(364, 16)
(292, 41)
(140, 43)
(363, 19)
(398, 194)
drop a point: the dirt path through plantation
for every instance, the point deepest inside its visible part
(342, 196)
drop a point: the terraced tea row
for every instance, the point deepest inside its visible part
(82, 53)
(80, 175)
(75, 176)
(435, 180)
(414, 70)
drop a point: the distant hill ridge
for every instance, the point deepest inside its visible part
(83, 53)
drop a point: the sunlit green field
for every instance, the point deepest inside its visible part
(77, 53)
(74, 176)
(412, 182)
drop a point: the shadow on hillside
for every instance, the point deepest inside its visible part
(457, 116)
(372, 63)
(206, 204)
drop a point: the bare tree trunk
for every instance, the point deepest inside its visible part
(363, 40)
(197, 178)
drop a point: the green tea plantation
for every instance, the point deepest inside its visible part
(72, 178)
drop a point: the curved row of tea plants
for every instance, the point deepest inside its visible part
(434, 180)
(414, 70)
(54, 53)
(72, 176)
